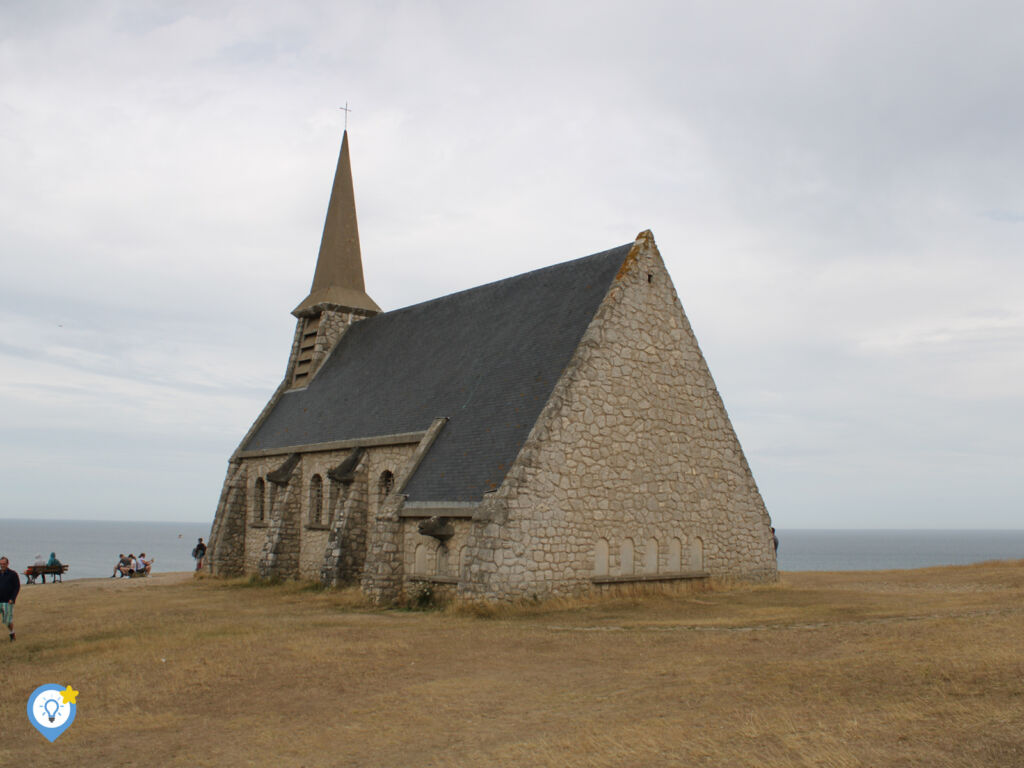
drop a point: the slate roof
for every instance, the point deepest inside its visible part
(486, 358)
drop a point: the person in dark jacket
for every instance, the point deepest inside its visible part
(10, 585)
(199, 552)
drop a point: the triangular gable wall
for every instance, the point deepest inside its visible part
(634, 454)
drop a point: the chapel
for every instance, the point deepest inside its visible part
(553, 433)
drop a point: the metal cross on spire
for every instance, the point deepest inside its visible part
(346, 110)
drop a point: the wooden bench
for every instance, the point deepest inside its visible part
(34, 572)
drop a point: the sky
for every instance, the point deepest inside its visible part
(835, 187)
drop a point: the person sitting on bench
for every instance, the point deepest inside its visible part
(40, 563)
(123, 567)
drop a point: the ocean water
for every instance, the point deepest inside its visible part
(832, 550)
(91, 548)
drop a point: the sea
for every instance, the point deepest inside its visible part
(91, 548)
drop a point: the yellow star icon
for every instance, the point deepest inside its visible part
(69, 694)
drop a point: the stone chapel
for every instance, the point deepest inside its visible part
(553, 433)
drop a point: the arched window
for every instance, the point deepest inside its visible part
(316, 500)
(626, 558)
(464, 563)
(697, 554)
(601, 558)
(651, 556)
(420, 567)
(258, 499)
(675, 556)
(441, 568)
(385, 485)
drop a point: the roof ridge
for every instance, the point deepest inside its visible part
(509, 279)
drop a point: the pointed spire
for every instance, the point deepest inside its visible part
(338, 279)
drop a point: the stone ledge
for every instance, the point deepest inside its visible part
(435, 579)
(439, 509)
(680, 576)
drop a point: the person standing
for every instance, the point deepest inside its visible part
(10, 585)
(199, 552)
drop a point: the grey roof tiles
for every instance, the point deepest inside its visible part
(486, 358)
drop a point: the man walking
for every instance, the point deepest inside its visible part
(10, 585)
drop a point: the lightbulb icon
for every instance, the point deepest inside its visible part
(52, 708)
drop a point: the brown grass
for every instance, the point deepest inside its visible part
(898, 668)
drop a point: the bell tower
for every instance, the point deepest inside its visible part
(338, 296)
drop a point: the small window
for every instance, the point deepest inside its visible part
(385, 485)
(601, 558)
(697, 554)
(420, 565)
(259, 493)
(651, 556)
(316, 500)
(626, 558)
(675, 556)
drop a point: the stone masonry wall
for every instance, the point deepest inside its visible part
(426, 557)
(226, 548)
(288, 541)
(316, 530)
(257, 527)
(635, 450)
(384, 574)
(280, 556)
(346, 545)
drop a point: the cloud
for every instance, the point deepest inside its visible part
(828, 184)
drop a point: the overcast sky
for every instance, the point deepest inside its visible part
(836, 189)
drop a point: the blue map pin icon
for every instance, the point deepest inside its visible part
(48, 712)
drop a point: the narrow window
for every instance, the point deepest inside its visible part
(316, 500)
(385, 485)
(420, 567)
(601, 558)
(651, 556)
(258, 498)
(626, 558)
(697, 554)
(675, 556)
(442, 561)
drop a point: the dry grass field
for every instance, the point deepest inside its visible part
(897, 668)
